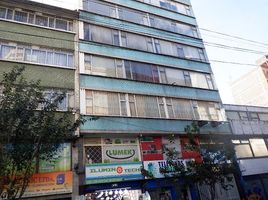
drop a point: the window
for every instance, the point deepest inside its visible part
(182, 109)
(253, 116)
(42, 21)
(20, 16)
(243, 115)
(161, 107)
(147, 106)
(103, 66)
(170, 108)
(3, 12)
(232, 115)
(123, 105)
(37, 19)
(133, 16)
(243, 151)
(258, 147)
(35, 55)
(132, 105)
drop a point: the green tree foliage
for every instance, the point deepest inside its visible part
(212, 165)
(30, 129)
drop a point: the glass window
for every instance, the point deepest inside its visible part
(170, 108)
(106, 103)
(50, 58)
(100, 8)
(161, 107)
(133, 16)
(232, 115)
(243, 115)
(119, 69)
(20, 16)
(103, 66)
(135, 41)
(38, 56)
(258, 147)
(132, 105)
(263, 116)
(253, 116)
(141, 71)
(61, 24)
(70, 60)
(175, 77)
(243, 151)
(9, 14)
(182, 109)
(87, 63)
(8, 52)
(31, 18)
(3, 12)
(207, 111)
(51, 22)
(60, 59)
(123, 105)
(163, 75)
(93, 33)
(41, 20)
(147, 106)
(199, 80)
(89, 102)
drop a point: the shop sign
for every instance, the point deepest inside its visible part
(154, 167)
(121, 153)
(49, 184)
(104, 173)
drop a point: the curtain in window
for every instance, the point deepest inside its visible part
(103, 66)
(60, 59)
(106, 103)
(198, 80)
(166, 48)
(41, 20)
(182, 109)
(138, 42)
(175, 76)
(101, 34)
(207, 111)
(20, 16)
(132, 16)
(147, 106)
(8, 52)
(141, 72)
(38, 56)
(61, 24)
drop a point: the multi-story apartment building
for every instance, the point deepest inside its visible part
(250, 127)
(41, 38)
(144, 76)
(252, 88)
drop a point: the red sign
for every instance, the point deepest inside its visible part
(152, 149)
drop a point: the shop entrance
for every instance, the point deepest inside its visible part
(114, 194)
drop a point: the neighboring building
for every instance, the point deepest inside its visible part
(252, 88)
(144, 76)
(250, 130)
(41, 38)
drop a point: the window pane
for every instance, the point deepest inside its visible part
(135, 41)
(2, 12)
(51, 22)
(41, 20)
(61, 24)
(70, 61)
(50, 58)
(175, 76)
(182, 109)
(147, 106)
(8, 52)
(93, 154)
(141, 71)
(60, 59)
(232, 115)
(9, 14)
(207, 111)
(133, 16)
(38, 56)
(258, 147)
(106, 103)
(31, 18)
(103, 66)
(27, 56)
(20, 16)
(243, 151)
(87, 63)
(198, 80)
(100, 8)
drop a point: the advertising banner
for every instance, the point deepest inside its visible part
(60, 162)
(104, 173)
(120, 153)
(152, 148)
(49, 184)
(154, 167)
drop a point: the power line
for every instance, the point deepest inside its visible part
(233, 36)
(233, 63)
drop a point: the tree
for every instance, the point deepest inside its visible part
(31, 129)
(211, 163)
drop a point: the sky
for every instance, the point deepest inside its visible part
(243, 18)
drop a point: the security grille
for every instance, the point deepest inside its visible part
(93, 154)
